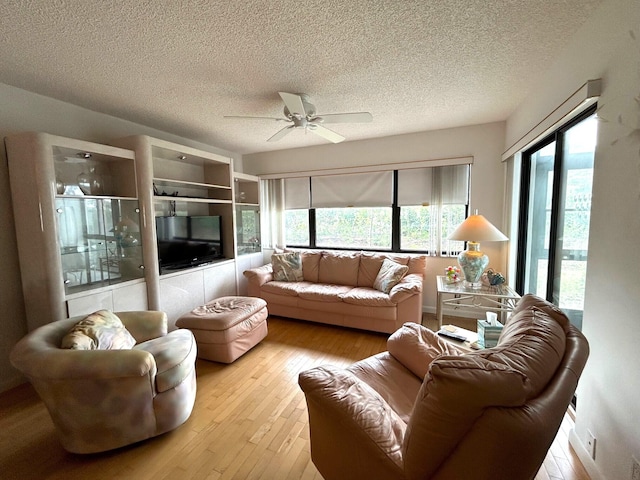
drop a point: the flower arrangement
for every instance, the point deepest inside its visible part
(452, 274)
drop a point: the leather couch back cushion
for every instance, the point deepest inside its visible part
(533, 342)
(453, 396)
(339, 268)
(310, 265)
(370, 264)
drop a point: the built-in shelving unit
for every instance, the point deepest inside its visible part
(176, 180)
(86, 214)
(77, 217)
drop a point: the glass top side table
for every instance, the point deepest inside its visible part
(501, 299)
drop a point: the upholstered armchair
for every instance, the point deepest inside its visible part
(107, 398)
(426, 410)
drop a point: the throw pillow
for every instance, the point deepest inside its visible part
(389, 275)
(102, 330)
(287, 267)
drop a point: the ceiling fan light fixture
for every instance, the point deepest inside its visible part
(301, 113)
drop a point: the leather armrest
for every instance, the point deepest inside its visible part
(259, 276)
(415, 347)
(409, 285)
(347, 400)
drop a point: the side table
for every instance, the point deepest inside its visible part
(501, 299)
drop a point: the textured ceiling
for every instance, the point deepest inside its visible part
(181, 65)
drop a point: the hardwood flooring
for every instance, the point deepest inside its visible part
(249, 420)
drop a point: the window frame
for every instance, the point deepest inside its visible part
(396, 230)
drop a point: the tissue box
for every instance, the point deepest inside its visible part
(488, 334)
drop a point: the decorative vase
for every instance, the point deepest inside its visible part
(91, 183)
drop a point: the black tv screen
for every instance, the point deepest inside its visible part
(188, 241)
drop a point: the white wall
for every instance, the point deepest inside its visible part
(609, 389)
(483, 142)
(22, 111)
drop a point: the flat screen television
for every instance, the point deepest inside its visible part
(188, 241)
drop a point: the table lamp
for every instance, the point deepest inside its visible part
(473, 230)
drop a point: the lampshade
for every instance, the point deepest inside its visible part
(475, 229)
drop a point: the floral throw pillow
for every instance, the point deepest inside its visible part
(102, 330)
(389, 275)
(287, 267)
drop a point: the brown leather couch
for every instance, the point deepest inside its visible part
(426, 410)
(338, 289)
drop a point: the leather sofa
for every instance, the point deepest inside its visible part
(337, 288)
(426, 410)
(106, 398)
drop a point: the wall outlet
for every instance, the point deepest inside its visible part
(635, 469)
(591, 444)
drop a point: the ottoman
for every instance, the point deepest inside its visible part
(227, 327)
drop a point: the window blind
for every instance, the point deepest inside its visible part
(296, 192)
(448, 185)
(372, 189)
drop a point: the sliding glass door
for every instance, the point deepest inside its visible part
(554, 218)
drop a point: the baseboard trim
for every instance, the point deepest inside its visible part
(586, 460)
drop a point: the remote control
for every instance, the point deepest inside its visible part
(452, 336)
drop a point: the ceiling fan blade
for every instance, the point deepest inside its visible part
(356, 117)
(293, 103)
(257, 118)
(326, 133)
(281, 133)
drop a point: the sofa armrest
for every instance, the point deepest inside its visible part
(144, 325)
(63, 364)
(351, 424)
(409, 285)
(259, 276)
(415, 347)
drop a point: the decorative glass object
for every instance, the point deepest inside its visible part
(91, 183)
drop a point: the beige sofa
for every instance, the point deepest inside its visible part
(337, 288)
(426, 410)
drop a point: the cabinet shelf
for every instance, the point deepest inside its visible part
(169, 198)
(96, 197)
(166, 182)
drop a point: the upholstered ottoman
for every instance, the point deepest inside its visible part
(227, 327)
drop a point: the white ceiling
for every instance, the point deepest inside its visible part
(181, 65)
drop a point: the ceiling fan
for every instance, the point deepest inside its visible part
(300, 113)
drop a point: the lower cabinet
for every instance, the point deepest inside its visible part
(132, 296)
(181, 292)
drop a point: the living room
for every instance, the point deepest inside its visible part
(605, 47)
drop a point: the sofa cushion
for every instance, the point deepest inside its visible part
(321, 292)
(175, 356)
(368, 297)
(287, 267)
(310, 265)
(370, 264)
(101, 330)
(339, 268)
(532, 342)
(389, 275)
(415, 347)
(289, 289)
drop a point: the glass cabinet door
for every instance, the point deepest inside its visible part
(248, 229)
(99, 241)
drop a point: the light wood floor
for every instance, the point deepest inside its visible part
(249, 420)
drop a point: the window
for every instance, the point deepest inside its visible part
(412, 210)
(366, 228)
(554, 217)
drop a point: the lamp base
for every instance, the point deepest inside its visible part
(472, 263)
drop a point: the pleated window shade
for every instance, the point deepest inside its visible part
(296, 193)
(372, 189)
